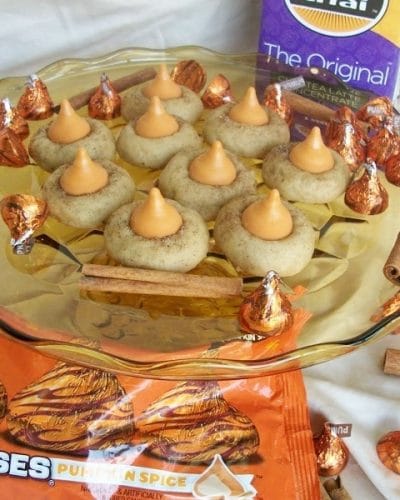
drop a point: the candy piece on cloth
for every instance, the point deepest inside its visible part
(217, 93)
(11, 118)
(35, 103)
(392, 169)
(191, 74)
(274, 99)
(59, 411)
(3, 401)
(23, 215)
(311, 154)
(332, 453)
(248, 110)
(12, 150)
(384, 144)
(388, 450)
(156, 122)
(213, 167)
(68, 127)
(365, 194)
(84, 175)
(344, 136)
(268, 218)
(376, 111)
(266, 311)
(162, 86)
(105, 103)
(192, 422)
(155, 217)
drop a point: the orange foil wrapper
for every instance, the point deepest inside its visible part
(346, 137)
(384, 144)
(343, 139)
(105, 103)
(391, 306)
(388, 450)
(23, 215)
(190, 74)
(266, 311)
(218, 92)
(35, 103)
(392, 169)
(375, 111)
(276, 101)
(332, 453)
(366, 195)
(12, 150)
(10, 117)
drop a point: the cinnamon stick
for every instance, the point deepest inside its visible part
(80, 100)
(391, 269)
(308, 107)
(151, 282)
(316, 110)
(335, 489)
(392, 362)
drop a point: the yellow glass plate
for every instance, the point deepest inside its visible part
(162, 336)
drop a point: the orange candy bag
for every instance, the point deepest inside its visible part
(79, 432)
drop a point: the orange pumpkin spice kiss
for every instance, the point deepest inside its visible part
(213, 167)
(162, 86)
(311, 155)
(268, 218)
(155, 217)
(83, 176)
(156, 122)
(68, 126)
(249, 111)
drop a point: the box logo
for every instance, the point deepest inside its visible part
(338, 18)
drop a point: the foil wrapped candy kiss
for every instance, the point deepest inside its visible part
(23, 214)
(266, 311)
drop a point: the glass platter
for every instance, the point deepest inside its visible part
(179, 338)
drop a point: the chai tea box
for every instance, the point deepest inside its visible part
(357, 40)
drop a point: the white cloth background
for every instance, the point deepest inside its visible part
(36, 33)
(352, 389)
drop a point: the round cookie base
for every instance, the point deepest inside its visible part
(251, 141)
(175, 183)
(295, 184)
(188, 107)
(49, 155)
(255, 256)
(179, 252)
(89, 210)
(155, 152)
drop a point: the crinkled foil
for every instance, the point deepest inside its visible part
(366, 195)
(343, 139)
(11, 118)
(384, 144)
(23, 214)
(12, 150)
(105, 103)
(275, 100)
(191, 74)
(35, 103)
(266, 311)
(392, 169)
(217, 93)
(376, 111)
(332, 453)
